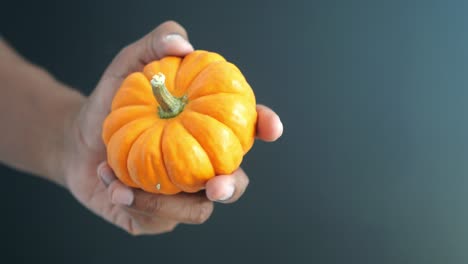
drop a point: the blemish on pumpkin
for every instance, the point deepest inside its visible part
(158, 186)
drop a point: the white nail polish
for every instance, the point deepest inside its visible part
(178, 39)
(173, 36)
(228, 193)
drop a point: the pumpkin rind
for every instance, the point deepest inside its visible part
(187, 163)
(145, 158)
(219, 142)
(120, 143)
(233, 110)
(209, 137)
(123, 116)
(134, 91)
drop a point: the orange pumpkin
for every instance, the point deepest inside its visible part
(179, 123)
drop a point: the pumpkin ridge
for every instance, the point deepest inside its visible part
(237, 128)
(177, 82)
(193, 92)
(124, 166)
(140, 118)
(125, 91)
(218, 122)
(163, 136)
(130, 150)
(188, 132)
(131, 146)
(198, 74)
(171, 82)
(146, 115)
(162, 153)
(214, 93)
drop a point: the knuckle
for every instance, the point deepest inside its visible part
(134, 232)
(169, 228)
(200, 213)
(132, 228)
(111, 189)
(152, 205)
(169, 23)
(247, 181)
(150, 45)
(241, 186)
(125, 50)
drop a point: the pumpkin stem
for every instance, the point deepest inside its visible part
(169, 105)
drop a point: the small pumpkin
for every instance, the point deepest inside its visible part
(180, 122)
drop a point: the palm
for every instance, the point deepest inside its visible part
(83, 182)
(87, 145)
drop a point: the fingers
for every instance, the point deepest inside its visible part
(146, 225)
(135, 224)
(183, 208)
(227, 188)
(269, 126)
(119, 193)
(169, 38)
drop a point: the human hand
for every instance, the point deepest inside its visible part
(136, 211)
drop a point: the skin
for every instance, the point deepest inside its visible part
(61, 131)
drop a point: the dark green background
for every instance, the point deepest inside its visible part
(371, 167)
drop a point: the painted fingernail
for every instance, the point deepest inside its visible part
(227, 193)
(175, 37)
(106, 175)
(122, 196)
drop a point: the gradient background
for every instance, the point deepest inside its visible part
(371, 167)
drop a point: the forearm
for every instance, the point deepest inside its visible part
(34, 111)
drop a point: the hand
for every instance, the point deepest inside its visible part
(136, 211)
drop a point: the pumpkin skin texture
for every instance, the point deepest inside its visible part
(173, 134)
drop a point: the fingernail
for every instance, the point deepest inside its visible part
(123, 196)
(279, 127)
(227, 193)
(175, 37)
(106, 175)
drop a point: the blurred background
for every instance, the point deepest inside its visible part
(371, 167)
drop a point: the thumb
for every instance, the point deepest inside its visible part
(169, 38)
